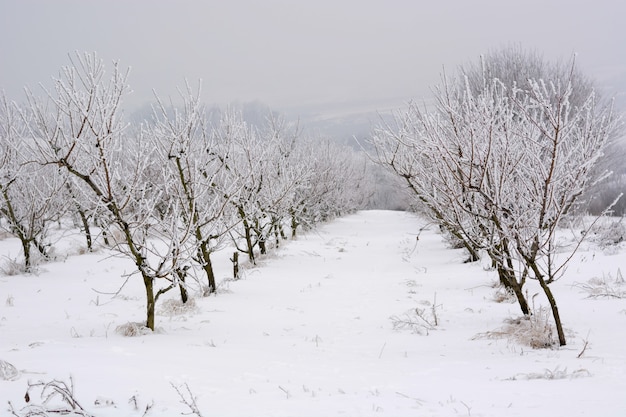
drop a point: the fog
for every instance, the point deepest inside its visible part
(295, 55)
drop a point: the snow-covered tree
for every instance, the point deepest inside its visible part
(243, 154)
(335, 182)
(563, 140)
(498, 167)
(409, 149)
(29, 193)
(196, 162)
(282, 174)
(78, 127)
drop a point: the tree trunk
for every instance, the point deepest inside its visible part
(260, 237)
(294, 225)
(555, 310)
(510, 281)
(148, 283)
(181, 273)
(235, 261)
(530, 262)
(26, 248)
(207, 265)
(41, 248)
(248, 235)
(86, 229)
(184, 295)
(103, 230)
(275, 223)
(473, 253)
(82, 215)
(17, 229)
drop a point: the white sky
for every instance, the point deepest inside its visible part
(296, 53)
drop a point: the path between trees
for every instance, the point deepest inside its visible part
(309, 331)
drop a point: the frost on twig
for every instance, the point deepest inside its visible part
(550, 374)
(608, 234)
(504, 295)
(133, 329)
(418, 320)
(8, 372)
(175, 307)
(53, 398)
(605, 287)
(187, 398)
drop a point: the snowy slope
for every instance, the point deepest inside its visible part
(310, 332)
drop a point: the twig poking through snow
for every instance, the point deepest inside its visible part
(582, 352)
(549, 374)
(417, 400)
(605, 287)
(187, 398)
(49, 392)
(418, 319)
(285, 391)
(381, 350)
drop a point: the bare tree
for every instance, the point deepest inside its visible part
(499, 167)
(79, 129)
(262, 162)
(196, 166)
(243, 167)
(449, 160)
(409, 149)
(29, 194)
(563, 142)
(334, 181)
(280, 175)
(515, 67)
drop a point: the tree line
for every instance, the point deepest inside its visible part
(507, 149)
(505, 152)
(168, 192)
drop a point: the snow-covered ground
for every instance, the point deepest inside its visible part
(310, 332)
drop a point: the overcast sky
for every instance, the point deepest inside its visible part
(291, 53)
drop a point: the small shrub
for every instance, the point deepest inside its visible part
(504, 295)
(132, 329)
(549, 374)
(418, 320)
(533, 330)
(12, 267)
(605, 287)
(223, 287)
(8, 372)
(50, 398)
(609, 233)
(175, 307)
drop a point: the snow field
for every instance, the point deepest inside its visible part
(309, 332)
